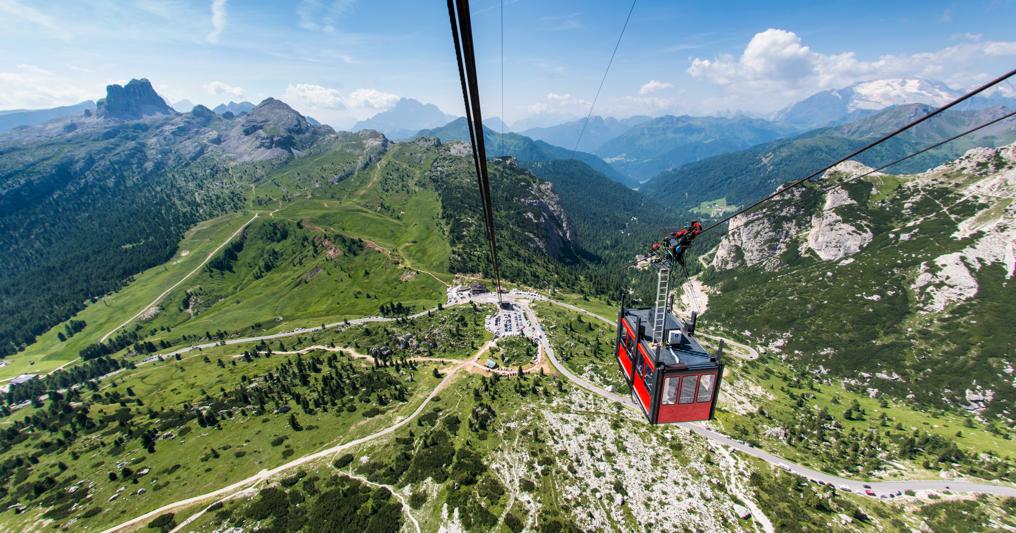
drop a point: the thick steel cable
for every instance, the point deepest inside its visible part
(462, 33)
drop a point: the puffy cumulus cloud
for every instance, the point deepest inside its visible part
(777, 60)
(653, 86)
(336, 107)
(218, 88)
(314, 95)
(371, 99)
(218, 20)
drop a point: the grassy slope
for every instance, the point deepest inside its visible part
(582, 343)
(167, 385)
(48, 352)
(386, 203)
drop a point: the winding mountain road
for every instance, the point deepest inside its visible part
(879, 488)
(245, 484)
(882, 489)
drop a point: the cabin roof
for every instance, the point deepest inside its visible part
(686, 353)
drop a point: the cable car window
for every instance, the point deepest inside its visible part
(705, 390)
(638, 363)
(688, 389)
(670, 390)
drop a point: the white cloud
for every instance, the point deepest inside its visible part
(555, 103)
(29, 14)
(314, 95)
(360, 103)
(218, 88)
(319, 15)
(35, 88)
(33, 69)
(778, 62)
(653, 86)
(370, 99)
(218, 20)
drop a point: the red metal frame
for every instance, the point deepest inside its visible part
(648, 388)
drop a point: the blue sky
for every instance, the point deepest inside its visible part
(345, 60)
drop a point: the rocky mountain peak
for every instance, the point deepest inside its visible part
(275, 114)
(135, 100)
(272, 129)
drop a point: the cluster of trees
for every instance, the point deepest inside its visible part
(62, 379)
(395, 309)
(70, 328)
(88, 215)
(111, 346)
(795, 506)
(308, 503)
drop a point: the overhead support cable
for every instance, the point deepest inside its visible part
(869, 146)
(462, 34)
(592, 105)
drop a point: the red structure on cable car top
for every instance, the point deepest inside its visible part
(672, 377)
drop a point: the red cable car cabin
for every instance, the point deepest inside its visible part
(680, 382)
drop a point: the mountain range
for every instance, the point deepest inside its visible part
(252, 321)
(33, 117)
(407, 117)
(523, 148)
(740, 177)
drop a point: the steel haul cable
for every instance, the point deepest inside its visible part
(462, 34)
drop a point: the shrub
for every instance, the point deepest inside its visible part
(344, 461)
(165, 522)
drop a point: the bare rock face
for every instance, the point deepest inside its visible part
(271, 130)
(832, 238)
(555, 229)
(949, 281)
(135, 100)
(760, 237)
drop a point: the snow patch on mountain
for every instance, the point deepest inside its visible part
(879, 94)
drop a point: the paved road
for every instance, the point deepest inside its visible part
(522, 300)
(879, 488)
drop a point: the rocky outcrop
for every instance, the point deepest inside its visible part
(950, 281)
(832, 238)
(760, 237)
(133, 101)
(555, 231)
(993, 228)
(271, 130)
